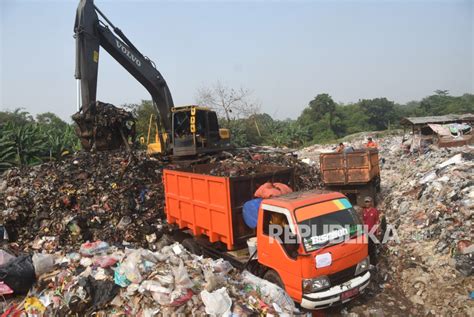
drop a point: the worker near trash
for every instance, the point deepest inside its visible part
(370, 216)
(371, 143)
(340, 148)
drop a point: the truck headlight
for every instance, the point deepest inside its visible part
(315, 284)
(362, 266)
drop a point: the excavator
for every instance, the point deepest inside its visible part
(180, 131)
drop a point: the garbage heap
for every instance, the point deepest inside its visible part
(136, 282)
(245, 162)
(429, 197)
(112, 196)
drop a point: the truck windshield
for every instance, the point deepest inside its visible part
(331, 228)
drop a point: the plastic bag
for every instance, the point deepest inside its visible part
(105, 261)
(18, 274)
(181, 277)
(250, 212)
(130, 267)
(217, 303)
(93, 248)
(5, 289)
(100, 292)
(5, 257)
(43, 263)
(119, 278)
(271, 292)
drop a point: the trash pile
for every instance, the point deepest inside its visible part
(428, 196)
(105, 280)
(247, 162)
(112, 196)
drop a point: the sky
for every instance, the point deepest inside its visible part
(285, 52)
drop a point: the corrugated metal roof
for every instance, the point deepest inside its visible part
(438, 119)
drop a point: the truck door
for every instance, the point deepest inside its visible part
(278, 250)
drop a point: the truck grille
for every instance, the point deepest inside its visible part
(342, 276)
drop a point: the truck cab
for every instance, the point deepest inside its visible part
(318, 268)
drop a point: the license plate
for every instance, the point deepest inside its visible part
(350, 293)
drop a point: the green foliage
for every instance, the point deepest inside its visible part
(24, 141)
(142, 113)
(27, 141)
(328, 123)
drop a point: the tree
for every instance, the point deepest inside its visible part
(142, 113)
(18, 117)
(51, 120)
(228, 102)
(380, 112)
(318, 117)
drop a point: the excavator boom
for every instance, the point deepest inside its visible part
(91, 33)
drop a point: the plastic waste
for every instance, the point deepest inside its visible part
(5, 257)
(456, 159)
(34, 307)
(271, 292)
(3, 233)
(222, 266)
(250, 212)
(5, 289)
(152, 286)
(105, 261)
(119, 278)
(183, 298)
(93, 248)
(130, 267)
(181, 277)
(43, 263)
(100, 292)
(217, 303)
(18, 274)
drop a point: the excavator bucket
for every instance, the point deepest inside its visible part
(104, 127)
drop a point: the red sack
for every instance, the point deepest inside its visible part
(283, 188)
(269, 190)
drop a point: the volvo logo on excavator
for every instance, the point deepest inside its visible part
(128, 53)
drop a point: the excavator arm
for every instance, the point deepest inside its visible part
(91, 33)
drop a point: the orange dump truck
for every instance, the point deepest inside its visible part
(318, 267)
(356, 174)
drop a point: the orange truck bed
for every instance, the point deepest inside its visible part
(358, 167)
(212, 205)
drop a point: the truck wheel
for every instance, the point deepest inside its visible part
(274, 278)
(191, 245)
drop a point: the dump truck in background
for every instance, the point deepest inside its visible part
(316, 269)
(355, 174)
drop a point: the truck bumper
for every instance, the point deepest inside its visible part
(332, 296)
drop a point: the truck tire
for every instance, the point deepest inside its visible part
(274, 278)
(192, 246)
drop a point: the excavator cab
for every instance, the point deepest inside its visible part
(196, 131)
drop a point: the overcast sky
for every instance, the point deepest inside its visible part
(286, 52)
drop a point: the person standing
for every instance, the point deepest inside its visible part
(371, 144)
(370, 216)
